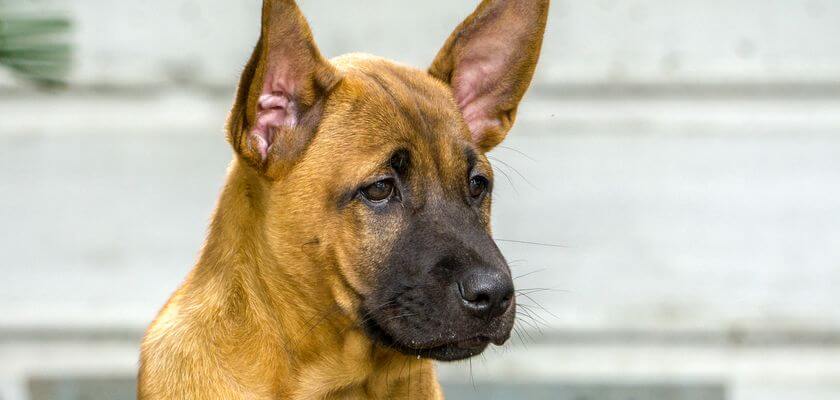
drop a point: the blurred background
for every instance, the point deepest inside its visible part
(670, 192)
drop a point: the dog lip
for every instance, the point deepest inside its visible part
(482, 340)
(374, 329)
(473, 342)
(451, 350)
(500, 339)
(469, 343)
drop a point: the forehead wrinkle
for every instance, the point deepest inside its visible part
(425, 107)
(471, 156)
(449, 168)
(435, 176)
(419, 92)
(443, 149)
(431, 98)
(423, 117)
(392, 97)
(361, 114)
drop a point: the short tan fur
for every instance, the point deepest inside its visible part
(273, 307)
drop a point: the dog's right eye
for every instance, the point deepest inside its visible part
(379, 191)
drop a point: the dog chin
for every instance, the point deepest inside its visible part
(452, 351)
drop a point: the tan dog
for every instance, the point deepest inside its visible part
(351, 244)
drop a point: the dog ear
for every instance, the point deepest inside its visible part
(281, 92)
(489, 61)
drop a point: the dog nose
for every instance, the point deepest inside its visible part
(486, 295)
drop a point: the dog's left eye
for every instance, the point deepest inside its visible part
(478, 185)
(379, 190)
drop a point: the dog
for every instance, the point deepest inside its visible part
(351, 245)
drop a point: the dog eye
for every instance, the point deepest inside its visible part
(478, 185)
(379, 191)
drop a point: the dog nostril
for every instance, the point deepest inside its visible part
(461, 291)
(506, 301)
(473, 295)
(486, 295)
(480, 301)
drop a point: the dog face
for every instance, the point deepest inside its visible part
(378, 176)
(411, 214)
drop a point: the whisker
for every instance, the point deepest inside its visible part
(517, 151)
(406, 360)
(528, 273)
(525, 312)
(540, 306)
(529, 242)
(510, 181)
(324, 316)
(388, 369)
(368, 315)
(514, 170)
(410, 363)
(472, 377)
(399, 316)
(519, 335)
(528, 335)
(540, 290)
(529, 323)
(533, 314)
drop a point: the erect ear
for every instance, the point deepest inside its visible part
(281, 92)
(489, 61)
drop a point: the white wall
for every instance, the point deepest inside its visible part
(685, 155)
(161, 42)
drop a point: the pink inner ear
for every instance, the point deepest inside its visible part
(275, 110)
(473, 85)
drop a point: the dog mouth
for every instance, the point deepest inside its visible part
(452, 350)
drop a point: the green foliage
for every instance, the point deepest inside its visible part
(35, 47)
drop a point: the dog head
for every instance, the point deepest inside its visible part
(377, 174)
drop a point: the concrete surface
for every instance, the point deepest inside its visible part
(682, 240)
(676, 225)
(196, 43)
(121, 388)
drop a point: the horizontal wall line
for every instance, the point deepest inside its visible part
(562, 90)
(622, 337)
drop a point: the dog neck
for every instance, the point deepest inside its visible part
(282, 307)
